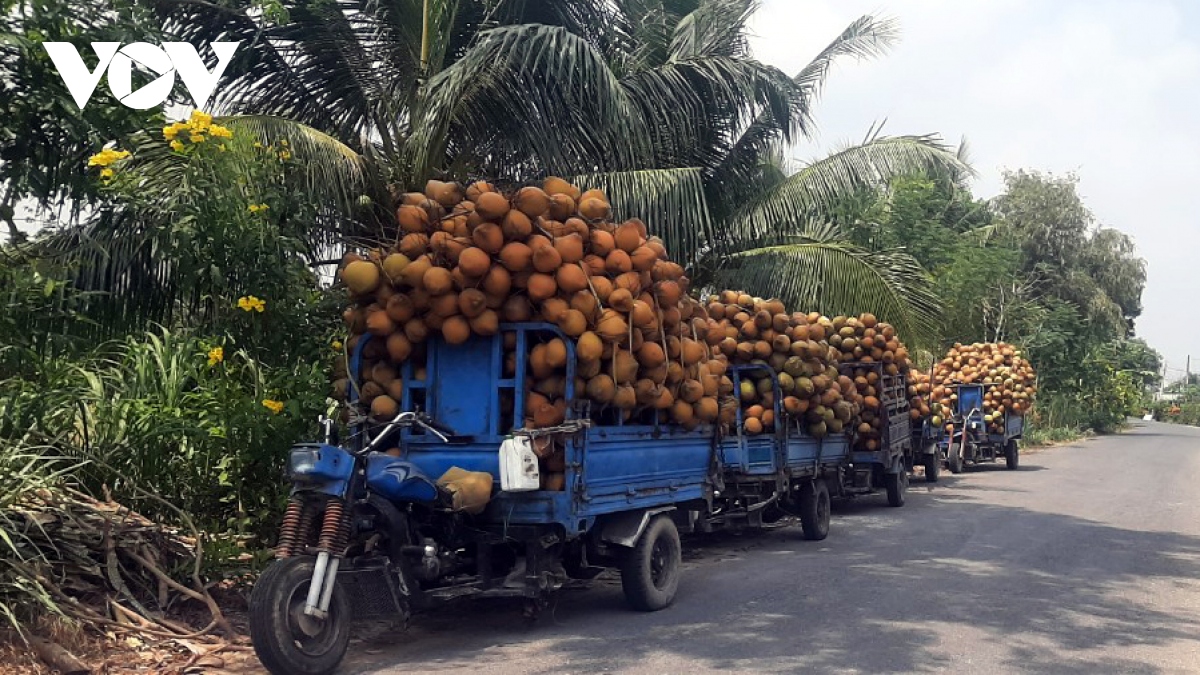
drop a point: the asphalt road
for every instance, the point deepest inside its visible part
(1087, 560)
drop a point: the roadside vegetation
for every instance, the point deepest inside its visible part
(1180, 403)
(169, 327)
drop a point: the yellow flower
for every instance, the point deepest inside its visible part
(257, 208)
(106, 172)
(107, 156)
(215, 356)
(171, 131)
(283, 143)
(219, 131)
(200, 120)
(251, 304)
(177, 146)
(337, 345)
(275, 407)
(196, 138)
(285, 155)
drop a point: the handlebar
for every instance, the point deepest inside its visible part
(408, 419)
(437, 427)
(954, 384)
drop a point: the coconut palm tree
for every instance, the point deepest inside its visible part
(658, 101)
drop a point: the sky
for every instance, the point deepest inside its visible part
(1107, 89)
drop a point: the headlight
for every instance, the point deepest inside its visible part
(302, 462)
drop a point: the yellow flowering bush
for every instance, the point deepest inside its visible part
(245, 394)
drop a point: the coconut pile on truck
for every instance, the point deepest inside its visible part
(466, 260)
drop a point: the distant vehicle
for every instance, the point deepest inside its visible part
(976, 437)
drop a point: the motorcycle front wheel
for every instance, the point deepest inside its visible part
(286, 640)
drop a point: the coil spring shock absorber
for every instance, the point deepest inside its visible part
(335, 533)
(290, 529)
(296, 534)
(335, 528)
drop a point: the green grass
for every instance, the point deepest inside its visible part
(1043, 436)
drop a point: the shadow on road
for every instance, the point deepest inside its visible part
(868, 598)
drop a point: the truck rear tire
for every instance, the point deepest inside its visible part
(933, 466)
(1012, 456)
(286, 640)
(896, 484)
(954, 460)
(650, 570)
(814, 509)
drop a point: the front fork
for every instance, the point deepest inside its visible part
(320, 526)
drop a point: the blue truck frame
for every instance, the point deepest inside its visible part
(609, 469)
(370, 533)
(887, 466)
(785, 471)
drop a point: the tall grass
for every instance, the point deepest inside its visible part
(154, 412)
(25, 470)
(166, 418)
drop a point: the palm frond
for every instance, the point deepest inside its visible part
(641, 32)
(821, 185)
(342, 66)
(865, 38)
(715, 28)
(119, 264)
(964, 152)
(834, 277)
(698, 104)
(984, 234)
(137, 260)
(531, 89)
(335, 173)
(776, 126)
(670, 201)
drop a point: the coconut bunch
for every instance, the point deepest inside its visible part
(743, 329)
(989, 363)
(467, 259)
(860, 343)
(871, 418)
(382, 387)
(919, 388)
(865, 339)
